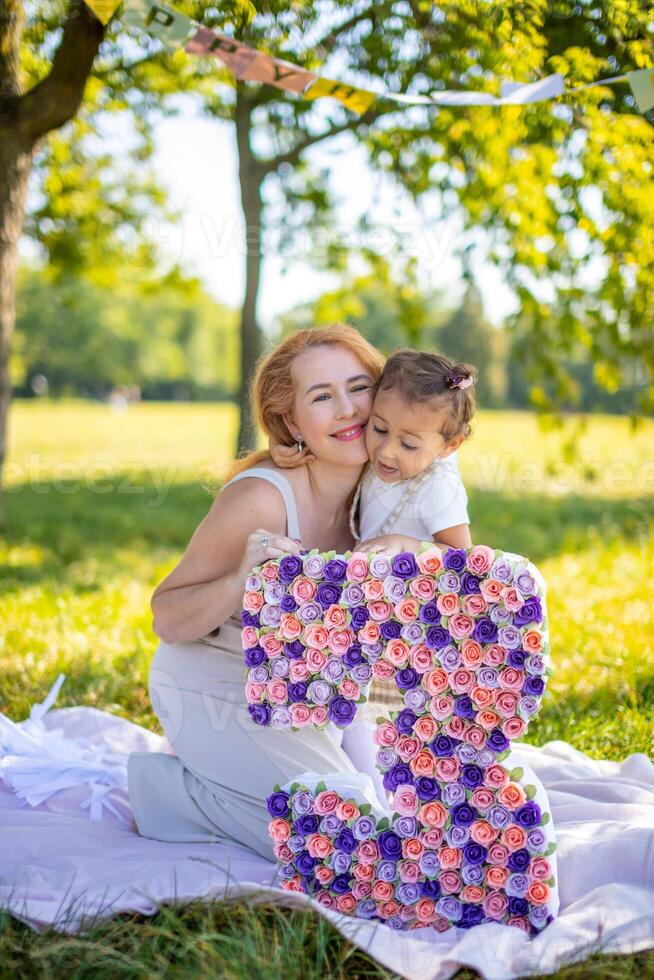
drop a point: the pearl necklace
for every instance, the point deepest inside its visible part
(414, 485)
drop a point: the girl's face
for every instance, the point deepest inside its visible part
(333, 398)
(403, 439)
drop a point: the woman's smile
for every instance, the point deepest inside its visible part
(350, 434)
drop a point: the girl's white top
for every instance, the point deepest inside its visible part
(439, 503)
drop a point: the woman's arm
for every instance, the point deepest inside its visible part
(206, 587)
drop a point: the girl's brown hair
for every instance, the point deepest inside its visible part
(272, 390)
(422, 375)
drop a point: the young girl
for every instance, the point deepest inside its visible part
(411, 490)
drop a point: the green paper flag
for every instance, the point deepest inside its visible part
(159, 20)
(641, 84)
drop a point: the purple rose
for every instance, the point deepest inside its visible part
(397, 776)
(333, 670)
(408, 893)
(502, 570)
(471, 915)
(516, 658)
(455, 559)
(534, 664)
(470, 584)
(297, 692)
(379, 566)
(449, 582)
(497, 740)
(290, 567)
(518, 906)
(449, 907)
(485, 758)
(394, 588)
(437, 637)
(429, 613)
(372, 651)
(453, 793)
(254, 656)
(386, 758)
(429, 863)
(408, 677)
(509, 637)
(307, 824)
(259, 713)
(390, 846)
(353, 655)
(270, 615)
(530, 612)
(346, 841)
(340, 884)
(286, 872)
(475, 853)
(463, 707)
(352, 595)
(359, 616)
(415, 699)
(313, 566)
(273, 592)
(390, 630)
(527, 707)
(412, 633)
(340, 862)
(341, 711)
(405, 721)
(277, 804)
(485, 630)
(361, 673)
(442, 745)
(405, 565)
(302, 802)
(259, 675)
(457, 836)
(472, 874)
(519, 860)
(395, 922)
(387, 870)
(335, 570)
(465, 752)
(309, 612)
(331, 824)
(427, 789)
(249, 618)
(364, 827)
(498, 816)
(287, 604)
(253, 583)
(534, 686)
(279, 667)
(328, 595)
(463, 814)
(280, 716)
(536, 841)
(472, 776)
(528, 815)
(320, 692)
(294, 649)
(524, 580)
(449, 658)
(430, 889)
(406, 826)
(538, 915)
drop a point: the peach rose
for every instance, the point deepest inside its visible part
(512, 679)
(369, 633)
(316, 636)
(339, 641)
(277, 691)
(472, 654)
(538, 892)
(380, 610)
(293, 884)
(412, 848)
(447, 769)
(388, 909)
(496, 776)
(480, 558)
(512, 795)
(335, 617)
(385, 734)
(407, 747)
(514, 727)
(382, 891)
(396, 652)
(494, 654)
(346, 904)
(422, 587)
(472, 893)
(346, 810)
(423, 764)
(425, 728)
(290, 626)
(475, 736)
(460, 625)
(441, 707)
(421, 658)
(450, 882)
(279, 830)
(430, 561)
(319, 845)
(253, 601)
(364, 872)
(270, 571)
(405, 801)
(513, 837)
(436, 681)
(532, 641)
(474, 605)
(496, 877)
(323, 874)
(425, 911)
(300, 715)
(299, 671)
(448, 604)
(270, 645)
(483, 697)
(357, 567)
(249, 637)
(487, 719)
(491, 589)
(319, 715)
(326, 802)
(449, 857)
(303, 590)
(462, 680)
(540, 869)
(316, 659)
(482, 832)
(373, 589)
(433, 814)
(407, 610)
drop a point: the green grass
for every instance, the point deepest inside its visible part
(99, 508)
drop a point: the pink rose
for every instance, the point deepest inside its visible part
(475, 736)
(498, 854)
(512, 599)
(396, 652)
(249, 637)
(491, 589)
(480, 558)
(441, 707)
(361, 889)
(412, 848)
(319, 715)
(474, 605)
(300, 715)
(335, 617)
(425, 911)
(462, 680)
(456, 727)
(385, 734)
(496, 776)
(407, 747)
(460, 626)
(436, 681)
(432, 838)
(483, 697)
(382, 891)
(349, 689)
(532, 641)
(449, 857)
(367, 852)
(450, 882)
(405, 801)
(373, 589)
(369, 633)
(383, 670)
(339, 641)
(388, 909)
(357, 567)
(540, 869)
(326, 802)
(425, 728)
(494, 655)
(423, 763)
(482, 799)
(323, 874)
(482, 833)
(448, 604)
(303, 590)
(487, 719)
(512, 679)
(506, 703)
(430, 561)
(253, 601)
(407, 610)
(283, 852)
(421, 657)
(316, 636)
(255, 693)
(538, 892)
(364, 872)
(299, 671)
(326, 899)
(277, 692)
(433, 814)
(422, 587)
(316, 660)
(380, 610)
(472, 893)
(346, 904)
(495, 905)
(447, 769)
(496, 877)
(347, 810)
(290, 626)
(514, 727)
(270, 645)
(409, 870)
(472, 654)
(270, 571)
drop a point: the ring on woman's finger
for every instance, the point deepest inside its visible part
(265, 541)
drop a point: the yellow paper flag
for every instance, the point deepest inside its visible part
(103, 9)
(641, 83)
(356, 99)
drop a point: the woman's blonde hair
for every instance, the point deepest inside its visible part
(272, 390)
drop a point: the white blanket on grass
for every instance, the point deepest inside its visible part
(69, 855)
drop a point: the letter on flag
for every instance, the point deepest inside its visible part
(356, 99)
(159, 20)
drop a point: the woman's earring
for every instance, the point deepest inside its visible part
(299, 444)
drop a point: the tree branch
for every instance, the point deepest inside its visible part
(335, 32)
(55, 99)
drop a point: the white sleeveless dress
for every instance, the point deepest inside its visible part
(215, 785)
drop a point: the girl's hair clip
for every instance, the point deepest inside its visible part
(456, 381)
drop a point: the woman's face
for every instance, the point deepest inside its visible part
(333, 399)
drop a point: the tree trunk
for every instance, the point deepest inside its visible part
(251, 176)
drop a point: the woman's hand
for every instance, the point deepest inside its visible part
(287, 457)
(262, 545)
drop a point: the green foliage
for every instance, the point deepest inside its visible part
(170, 339)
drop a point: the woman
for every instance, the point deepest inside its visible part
(316, 387)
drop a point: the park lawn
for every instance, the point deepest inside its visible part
(99, 507)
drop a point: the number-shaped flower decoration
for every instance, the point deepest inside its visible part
(464, 635)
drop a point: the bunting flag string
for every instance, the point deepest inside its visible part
(173, 29)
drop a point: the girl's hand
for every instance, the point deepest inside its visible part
(387, 544)
(262, 545)
(287, 457)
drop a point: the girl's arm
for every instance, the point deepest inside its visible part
(450, 537)
(207, 585)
